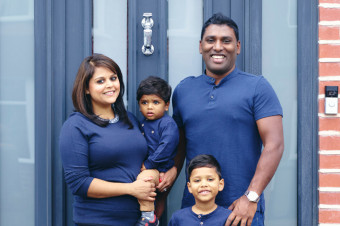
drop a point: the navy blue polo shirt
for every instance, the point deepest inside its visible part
(221, 120)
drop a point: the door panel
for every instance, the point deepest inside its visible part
(108, 18)
(184, 32)
(185, 24)
(141, 66)
(279, 64)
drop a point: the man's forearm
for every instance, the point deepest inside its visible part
(266, 168)
(271, 133)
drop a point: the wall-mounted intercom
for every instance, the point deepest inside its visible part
(331, 100)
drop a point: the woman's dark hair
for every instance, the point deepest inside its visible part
(154, 85)
(82, 101)
(204, 161)
(220, 19)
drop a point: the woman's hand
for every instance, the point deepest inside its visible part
(144, 189)
(167, 180)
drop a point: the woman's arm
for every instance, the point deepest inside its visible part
(75, 158)
(141, 189)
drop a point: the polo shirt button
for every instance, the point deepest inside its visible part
(201, 223)
(143, 125)
(152, 132)
(211, 97)
(199, 216)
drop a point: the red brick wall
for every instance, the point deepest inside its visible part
(329, 125)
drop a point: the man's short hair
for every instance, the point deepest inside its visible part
(204, 161)
(220, 19)
(154, 85)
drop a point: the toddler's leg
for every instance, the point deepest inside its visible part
(148, 205)
(147, 208)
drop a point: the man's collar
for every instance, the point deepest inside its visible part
(212, 80)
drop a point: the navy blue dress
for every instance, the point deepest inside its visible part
(89, 151)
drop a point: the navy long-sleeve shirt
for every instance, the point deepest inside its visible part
(113, 153)
(162, 137)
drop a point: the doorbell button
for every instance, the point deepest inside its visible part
(331, 100)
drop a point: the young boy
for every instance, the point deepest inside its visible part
(205, 182)
(161, 134)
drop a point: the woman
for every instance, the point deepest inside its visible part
(102, 149)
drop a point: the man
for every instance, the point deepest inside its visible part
(229, 114)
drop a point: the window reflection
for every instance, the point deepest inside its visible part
(17, 112)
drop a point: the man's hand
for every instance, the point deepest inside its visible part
(167, 180)
(243, 212)
(161, 176)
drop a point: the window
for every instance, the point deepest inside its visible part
(17, 112)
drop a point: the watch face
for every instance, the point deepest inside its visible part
(252, 196)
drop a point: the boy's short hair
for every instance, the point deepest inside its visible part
(204, 161)
(154, 85)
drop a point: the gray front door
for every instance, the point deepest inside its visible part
(118, 33)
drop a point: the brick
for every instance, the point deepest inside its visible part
(329, 14)
(328, 69)
(329, 124)
(329, 180)
(329, 161)
(322, 106)
(329, 143)
(329, 33)
(329, 51)
(322, 85)
(329, 198)
(329, 216)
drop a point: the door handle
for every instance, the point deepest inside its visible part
(147, 23)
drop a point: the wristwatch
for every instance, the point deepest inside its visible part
(252, 196)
